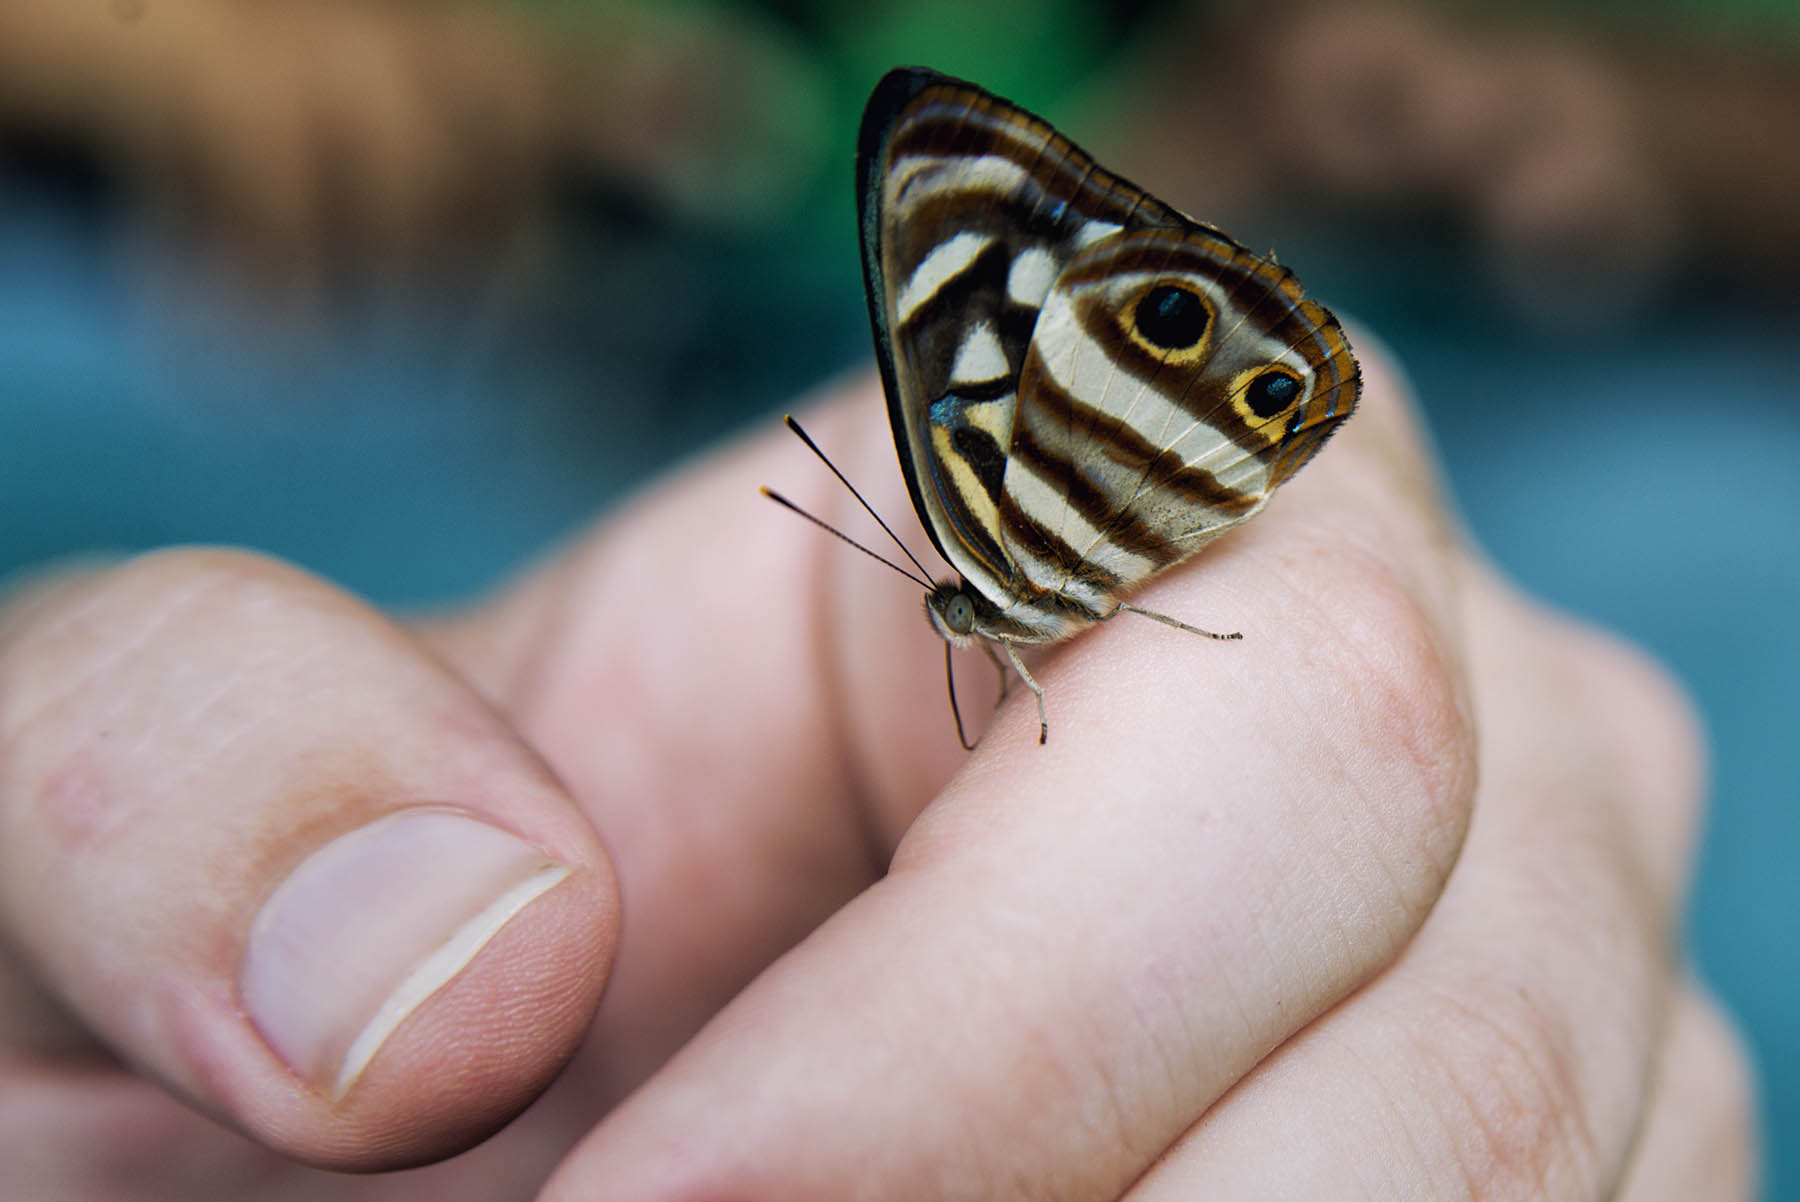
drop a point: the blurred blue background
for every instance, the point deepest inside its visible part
(1603, 332)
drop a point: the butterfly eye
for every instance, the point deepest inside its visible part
(959, 614)
(1272, 392)
(1171, 318)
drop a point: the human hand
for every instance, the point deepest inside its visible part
(1381, 902)
(1252, 923)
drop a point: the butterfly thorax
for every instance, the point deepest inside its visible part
(960, 613)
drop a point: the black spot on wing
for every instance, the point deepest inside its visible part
(985, 457)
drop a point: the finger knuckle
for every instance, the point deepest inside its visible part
(1656, 732)
(1709, 1082)
(1629, 722)
(1389, 684)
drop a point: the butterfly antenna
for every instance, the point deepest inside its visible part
(833, 530)
(823, 458)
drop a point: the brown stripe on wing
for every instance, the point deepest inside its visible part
(1120, 526)
(936, 330)
(984, 279)
(1015, 218)
(953, 120)
(949, 122)
(1042, 399)
(1026, 531)
(959, 128)
(1150, 250)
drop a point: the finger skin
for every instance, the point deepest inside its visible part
(1078, 947)
(1699, 1138)
(668, 671)
(179, 738)
(1509, 1052)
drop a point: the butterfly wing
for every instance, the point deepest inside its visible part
(1060, 441)
(1172, 382)
(970, 209)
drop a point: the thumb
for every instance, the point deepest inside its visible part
(261, 846)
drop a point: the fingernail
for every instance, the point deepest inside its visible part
(371, 925)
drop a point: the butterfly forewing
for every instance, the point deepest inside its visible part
(970, 209)
(1085, 385)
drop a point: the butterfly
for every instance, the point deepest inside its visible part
(1086, 386)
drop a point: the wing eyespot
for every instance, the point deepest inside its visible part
(1171, 318)
(1272, 392)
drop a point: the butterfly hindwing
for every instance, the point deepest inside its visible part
(1171, 383)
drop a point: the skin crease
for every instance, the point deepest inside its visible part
(1391, 887)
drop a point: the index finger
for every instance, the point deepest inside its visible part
(1079, 947)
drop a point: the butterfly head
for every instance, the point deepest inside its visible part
(955, 611)
(960, 613)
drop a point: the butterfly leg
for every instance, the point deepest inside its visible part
(955, 710)
(1166, 620)
(1019, 667)
(998, 667)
